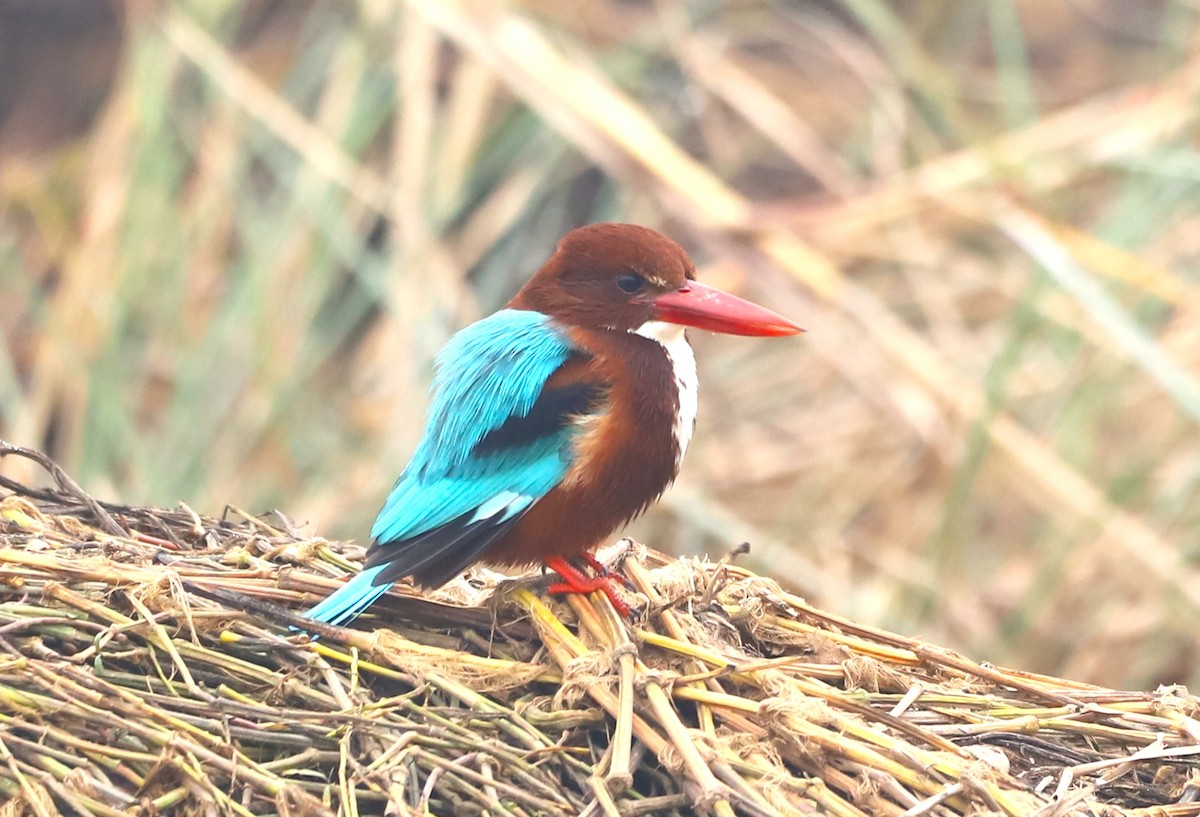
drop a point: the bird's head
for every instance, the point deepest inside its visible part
(622, 276)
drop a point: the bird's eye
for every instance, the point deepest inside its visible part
(631, 283)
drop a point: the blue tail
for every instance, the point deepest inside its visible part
(345, 603)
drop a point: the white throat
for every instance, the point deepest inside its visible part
(683, 363)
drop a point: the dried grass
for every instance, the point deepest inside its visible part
(147, 666)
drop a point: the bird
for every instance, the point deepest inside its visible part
(554, 421)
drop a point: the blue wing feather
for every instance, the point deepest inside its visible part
(491, 371)
(457, 496)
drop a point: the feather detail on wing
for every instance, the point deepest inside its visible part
(497, 439)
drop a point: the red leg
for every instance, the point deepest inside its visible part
(575, 582)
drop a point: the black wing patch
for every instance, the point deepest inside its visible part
(553, 410)
(436, 556)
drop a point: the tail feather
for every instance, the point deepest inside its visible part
(438, 555)
(348, 601)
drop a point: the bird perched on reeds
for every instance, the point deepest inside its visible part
(554, 421)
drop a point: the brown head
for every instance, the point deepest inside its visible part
(620, 276)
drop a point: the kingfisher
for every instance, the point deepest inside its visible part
(554, 421)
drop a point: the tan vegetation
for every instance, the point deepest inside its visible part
(146, 667)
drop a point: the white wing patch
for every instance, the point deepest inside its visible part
(505, 502)
(679, 352)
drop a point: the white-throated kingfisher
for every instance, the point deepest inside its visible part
(554, 421)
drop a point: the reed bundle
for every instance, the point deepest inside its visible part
(149, 664)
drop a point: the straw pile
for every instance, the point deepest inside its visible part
(147, 666)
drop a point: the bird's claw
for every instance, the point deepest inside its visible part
(602, 570)
(574, 581)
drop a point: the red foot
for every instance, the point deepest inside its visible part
(575, 582)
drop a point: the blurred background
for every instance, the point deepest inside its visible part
(233, 233)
